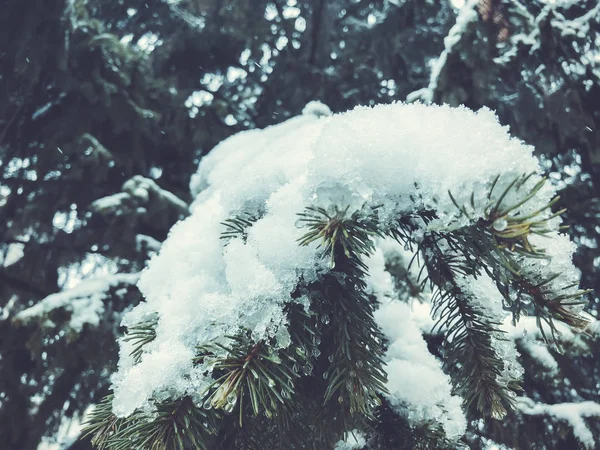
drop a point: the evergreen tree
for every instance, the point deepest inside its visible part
(103, 97)
(301, 344)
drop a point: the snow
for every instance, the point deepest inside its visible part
(138, 190)
(466, 15)
(84, 301)
(572, 413)
(354, 441)
(317, 109)
(542, 355)
(68, 433)
(399, 157)
(484, 297)
(418, 388)
(147, 243)
(12, 254)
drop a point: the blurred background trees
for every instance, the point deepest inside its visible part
(108, 105)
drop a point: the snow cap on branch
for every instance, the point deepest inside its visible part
(399, 158)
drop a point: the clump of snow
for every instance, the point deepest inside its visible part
(138, 191)
(401, 158)
(572, 413)
(488, 444)
(12, 254)
(84, 302)
(354, 441)
(542, 355)
(418, 387)
(317, 109)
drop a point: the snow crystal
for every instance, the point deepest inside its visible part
(398, 157)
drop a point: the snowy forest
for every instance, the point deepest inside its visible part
(299, 224)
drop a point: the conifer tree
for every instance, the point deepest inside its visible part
(107, 107)
(270, 322)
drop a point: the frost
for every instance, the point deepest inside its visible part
(84, 301)
(399, 157)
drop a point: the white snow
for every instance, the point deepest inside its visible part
(484, 296)
(84, 301)
(317, 109)
(418, 388)
(466, 15)
(403, 158)
(138, 190)
(572, 413)
(542, 355)
(354, 441)
(12, 254)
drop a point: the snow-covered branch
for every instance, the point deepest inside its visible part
(573, 413)
(141, 195)
(466, 16)
(84, 302)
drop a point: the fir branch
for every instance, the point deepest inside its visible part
(352, 233)
(237, 227)
(102, 424)
(252, 373)
(141, 335)
(499, 244)
(355, 375)
(175, 425)
(471, 360)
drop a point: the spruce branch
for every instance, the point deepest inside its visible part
(141, 335)
(174, 425)
(237, 226)
(102, 424)
(471, 359)
(499, 244)
(351, 233)
(250, 372)
(355, 375)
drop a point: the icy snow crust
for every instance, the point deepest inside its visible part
(403, 157)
